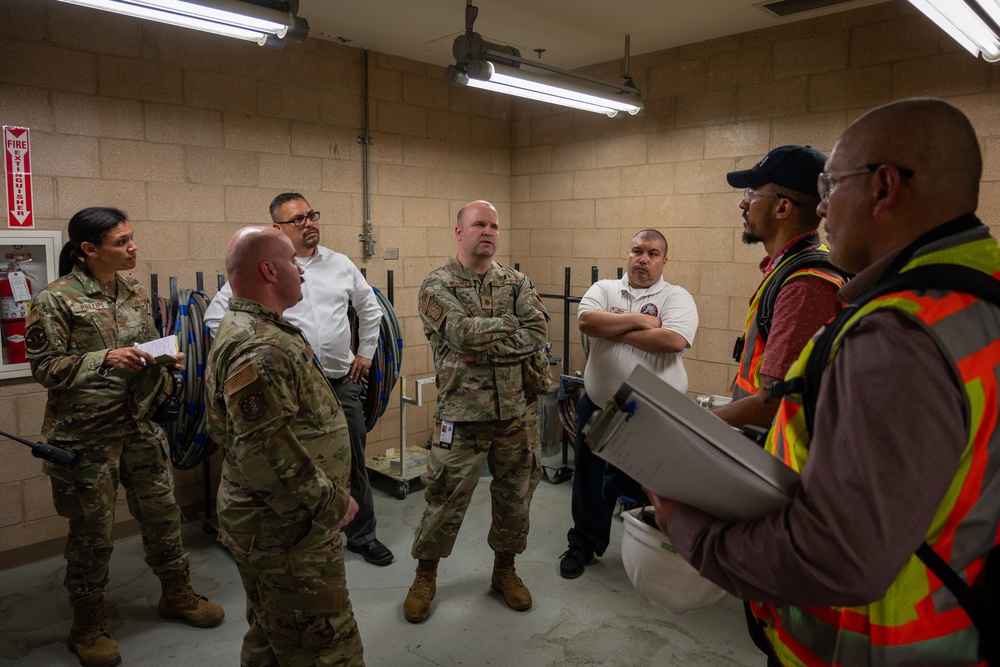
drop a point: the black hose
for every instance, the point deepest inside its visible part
(570, 391)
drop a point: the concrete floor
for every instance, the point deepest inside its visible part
(595, 620)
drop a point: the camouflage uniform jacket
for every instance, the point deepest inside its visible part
(287, 453)
(500, 319)
(70, 329)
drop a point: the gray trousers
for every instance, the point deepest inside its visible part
(362, 528)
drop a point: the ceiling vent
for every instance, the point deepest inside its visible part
(784, 8)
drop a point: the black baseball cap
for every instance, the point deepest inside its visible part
(793, 167)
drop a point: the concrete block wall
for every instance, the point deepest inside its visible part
(582, 185)
(193, 135)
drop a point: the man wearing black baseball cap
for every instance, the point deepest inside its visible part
(797, 294)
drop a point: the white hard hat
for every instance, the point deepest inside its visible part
(660, 575)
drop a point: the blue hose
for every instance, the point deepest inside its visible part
(189, 442)
(380, 380)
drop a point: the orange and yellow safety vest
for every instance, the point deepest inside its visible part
(806, 258)
(918, 622)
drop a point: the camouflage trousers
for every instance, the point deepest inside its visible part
(86, 496)
(511, 449)
(298, 608)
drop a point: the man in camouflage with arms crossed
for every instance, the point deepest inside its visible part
(486, 326)
(285, 490)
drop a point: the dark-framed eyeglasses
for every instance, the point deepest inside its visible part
(826, 183)
(300, 220)
(750, 193)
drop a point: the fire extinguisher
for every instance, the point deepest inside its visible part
(15, 297)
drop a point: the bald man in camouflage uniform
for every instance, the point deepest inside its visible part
(285, 490)
(485, 324)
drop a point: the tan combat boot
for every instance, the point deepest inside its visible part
(179, 601)
(417, 605)
(89, 637)
(506, 582)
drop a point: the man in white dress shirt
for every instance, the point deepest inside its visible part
(332, 282)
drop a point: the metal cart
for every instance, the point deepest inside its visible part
(412, 460)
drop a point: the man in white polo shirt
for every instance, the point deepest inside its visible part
(638, 320)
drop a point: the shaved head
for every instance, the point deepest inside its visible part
(477, 231)
(653, 235)
(471, 209)
(261, 265)
(930, 137)
(239, 246)
(896, 173)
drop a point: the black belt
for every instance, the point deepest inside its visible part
(336, 382)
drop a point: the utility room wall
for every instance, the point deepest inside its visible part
(193, 135)
(582, 184)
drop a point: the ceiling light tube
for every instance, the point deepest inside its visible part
(511, 81)
(193, 23)
(992, 9)
(230, 18)
(522, 79)
(514, 60)
(539, 96)
(963, 25)
(458, 77)
(219, 12)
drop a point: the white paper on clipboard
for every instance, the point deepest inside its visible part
(676, 449)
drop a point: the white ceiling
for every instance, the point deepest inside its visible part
(574, 33)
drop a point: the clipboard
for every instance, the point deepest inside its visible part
(663, 440)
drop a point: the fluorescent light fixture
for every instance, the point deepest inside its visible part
(965, 25)
(480, 64)
(509, 76)
(538, 96)
(510, 81)
(231, 18)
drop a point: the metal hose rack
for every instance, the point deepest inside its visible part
(182, 313)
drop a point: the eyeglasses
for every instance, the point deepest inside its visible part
(300, 220)
(827, 180)
(750, 193)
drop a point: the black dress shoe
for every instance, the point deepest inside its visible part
(373, 552)
(572, 562)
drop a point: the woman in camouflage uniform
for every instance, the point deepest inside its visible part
(102, 393)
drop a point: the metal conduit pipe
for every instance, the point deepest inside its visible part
(368, 237)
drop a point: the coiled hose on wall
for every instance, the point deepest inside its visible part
(380, 380)
(189, 442)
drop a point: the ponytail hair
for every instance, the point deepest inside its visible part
(87, 226)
